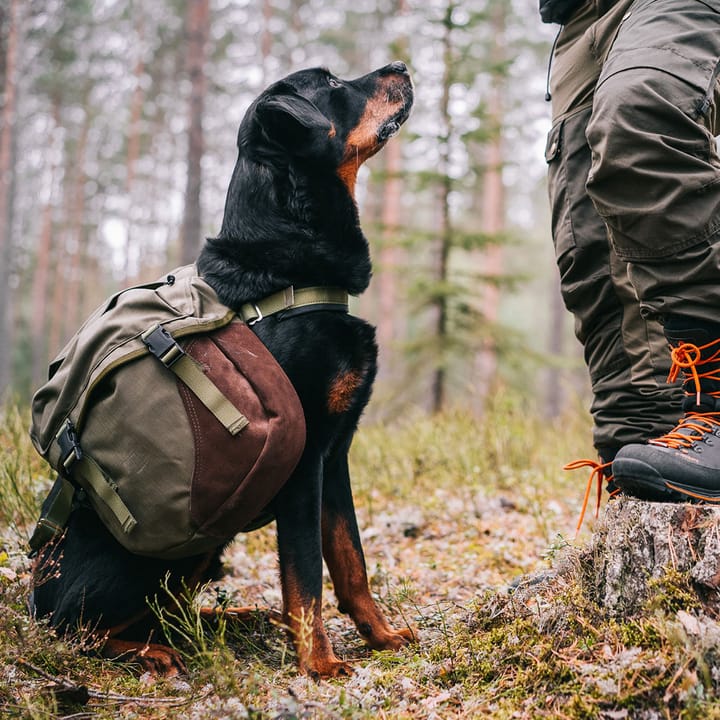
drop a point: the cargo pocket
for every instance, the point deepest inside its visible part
(557, 191)
(575, 222)
(675, 39)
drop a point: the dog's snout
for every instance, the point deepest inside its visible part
(398, 66)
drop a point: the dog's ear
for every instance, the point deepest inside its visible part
(296, 124)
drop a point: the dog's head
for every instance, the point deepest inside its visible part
(312, 116)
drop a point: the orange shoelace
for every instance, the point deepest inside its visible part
(598, 475)
(687, 357)
(699, 425)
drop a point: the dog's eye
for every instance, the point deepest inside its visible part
(333, 83)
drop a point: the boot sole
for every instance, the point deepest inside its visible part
(642, 481)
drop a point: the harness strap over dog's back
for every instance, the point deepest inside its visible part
(291, 298)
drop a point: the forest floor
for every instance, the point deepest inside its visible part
(459, 520)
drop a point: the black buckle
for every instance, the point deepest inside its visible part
(162, 345)
(69, 443)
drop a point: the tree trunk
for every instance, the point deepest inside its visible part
(266, 39)
(198, 21)
(133, 143)
(556, 345)
(76, 231)
(7, 163)
(391, 256)
(637, 544)
(493, 216)
(41, 276)
(442, 252)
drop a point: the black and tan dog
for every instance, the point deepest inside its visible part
(290, 220)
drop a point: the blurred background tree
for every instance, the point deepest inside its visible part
(118, 139)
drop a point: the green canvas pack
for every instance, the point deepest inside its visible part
(171, 417)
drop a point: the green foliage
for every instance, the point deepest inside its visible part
(673, 592)
(24, 476)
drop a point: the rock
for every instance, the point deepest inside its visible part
(639, 542)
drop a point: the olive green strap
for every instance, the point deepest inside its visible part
(55, 513)
(209, 395)
(292, 298)
(89, 475)
(162, 345)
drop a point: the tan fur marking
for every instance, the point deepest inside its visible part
(342, 391)
(362, 141)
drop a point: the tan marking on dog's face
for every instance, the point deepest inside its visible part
(362, 141)
(342, 391)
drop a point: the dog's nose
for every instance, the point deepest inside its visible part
(398, 66)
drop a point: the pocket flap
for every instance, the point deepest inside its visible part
(554, 141)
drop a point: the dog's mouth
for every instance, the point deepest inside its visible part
(393, 124)
(390, 128)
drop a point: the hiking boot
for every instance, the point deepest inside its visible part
(684, 464)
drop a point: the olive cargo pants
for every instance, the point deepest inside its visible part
(634, 184)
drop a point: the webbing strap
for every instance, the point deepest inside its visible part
(292, 298)
(56, 511)
(209, 395)
(89, 475)
(163, 346)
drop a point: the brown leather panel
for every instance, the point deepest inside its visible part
(236, 477)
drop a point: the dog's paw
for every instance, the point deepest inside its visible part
(162, 661)
(324, 668)
(387, 638)
(154, 658)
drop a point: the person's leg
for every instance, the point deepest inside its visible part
(655, 181)
(623, 351)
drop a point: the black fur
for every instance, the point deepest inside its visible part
(290, 219)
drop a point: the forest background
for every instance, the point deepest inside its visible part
(117, 141)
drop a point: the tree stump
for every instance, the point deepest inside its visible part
(638, 543)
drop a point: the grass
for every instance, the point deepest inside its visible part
(452, 509)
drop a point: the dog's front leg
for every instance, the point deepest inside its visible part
(345, 560)
(297, 512)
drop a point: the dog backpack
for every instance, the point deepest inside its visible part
(169, 415)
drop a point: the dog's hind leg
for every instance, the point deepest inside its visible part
(87, 583)
(297, 511)
(345, 560)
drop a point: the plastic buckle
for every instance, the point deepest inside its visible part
(162, 345)
(69, 442)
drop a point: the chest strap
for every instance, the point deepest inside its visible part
(291, 298)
